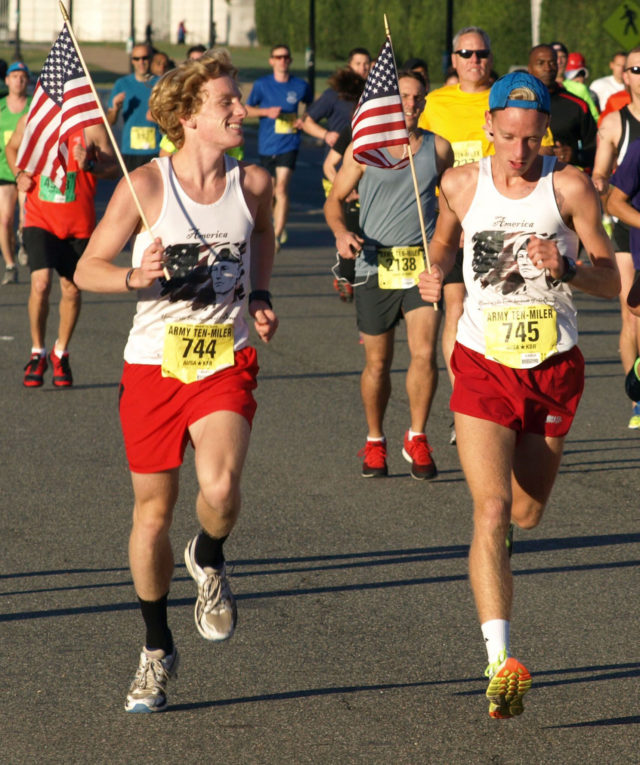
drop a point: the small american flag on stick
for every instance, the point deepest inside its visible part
(62, 104)
(378, 120)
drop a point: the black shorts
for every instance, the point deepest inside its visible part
(134, 161)
(620, 237)
(3, 182)
(378, 310)
(455, 275)
(271, 161)
(45, 250)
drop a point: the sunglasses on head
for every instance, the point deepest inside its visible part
(466, 53)
(140, 58)
(633, 69)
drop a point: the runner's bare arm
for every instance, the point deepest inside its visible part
(446, 239)
(312, 128)
(608, 137)
(580, 207)
(95, 271)
(258, 189)
(618, 205)
(348, 244)
(99, 151)
(24, 180)
(444, 154)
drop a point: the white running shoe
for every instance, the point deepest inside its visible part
(215, 611)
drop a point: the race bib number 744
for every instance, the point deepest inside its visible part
(195, 351)
(520, 336)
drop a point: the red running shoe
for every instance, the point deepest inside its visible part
(344, 290)
(34, 371)
(375, 459)
(62, 377)
(418, 452)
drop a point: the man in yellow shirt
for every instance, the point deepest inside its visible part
(457, 113)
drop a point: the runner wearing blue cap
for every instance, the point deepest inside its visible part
(518, 371)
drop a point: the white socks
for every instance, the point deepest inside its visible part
(496, 638)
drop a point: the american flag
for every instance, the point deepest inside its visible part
(62, 104)
(379, 117)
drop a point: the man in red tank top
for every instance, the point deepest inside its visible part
(56, 230)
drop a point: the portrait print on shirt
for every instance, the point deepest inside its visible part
(205, 275)
(501, 262)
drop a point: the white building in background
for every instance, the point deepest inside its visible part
(110, 20)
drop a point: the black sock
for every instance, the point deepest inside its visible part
(208, 550)
(154, 613)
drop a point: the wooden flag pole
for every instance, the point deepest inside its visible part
(413, 169)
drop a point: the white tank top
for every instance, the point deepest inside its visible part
(497, 270)
(209, 282)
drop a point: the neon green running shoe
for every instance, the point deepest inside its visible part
(634, 422)
(509, 681)
(509, 540)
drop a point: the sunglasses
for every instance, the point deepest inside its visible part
(633, 69)
(282, 55)
(140, 58)
(466, 53)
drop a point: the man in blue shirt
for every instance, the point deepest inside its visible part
(274, 99)
(140, 137)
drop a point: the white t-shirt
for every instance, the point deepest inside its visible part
(604, 87)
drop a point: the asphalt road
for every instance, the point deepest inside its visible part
(357, 639)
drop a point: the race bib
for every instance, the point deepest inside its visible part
(195, 351)
(520, 336)
(399, 267)
(284, 123)
(143, 138)
(6, 137)
(466, 151)
(49, 192)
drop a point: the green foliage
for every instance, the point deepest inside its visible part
(418, 27)
(579, 24)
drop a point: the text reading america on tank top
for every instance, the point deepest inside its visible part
(218, 236)
(501, 222)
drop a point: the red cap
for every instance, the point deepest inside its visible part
(575, 64)
(576, 61)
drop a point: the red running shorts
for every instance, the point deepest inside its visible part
(540, 400)
(156, 411)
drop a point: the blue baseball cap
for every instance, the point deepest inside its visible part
(19, 66)
(501, 90)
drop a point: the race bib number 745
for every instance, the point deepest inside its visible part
(520, 336)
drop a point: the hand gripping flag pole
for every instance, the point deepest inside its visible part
(379, 121)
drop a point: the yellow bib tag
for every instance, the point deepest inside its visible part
(466, 151)
(7, 136)
(195, 351)
(284, 123)
(520, 336)
(399, 267)
(143, 138)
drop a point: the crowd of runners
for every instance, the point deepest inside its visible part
(518, 199)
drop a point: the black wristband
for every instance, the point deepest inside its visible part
(263, 295)
(128, 278)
